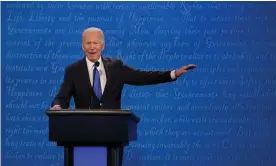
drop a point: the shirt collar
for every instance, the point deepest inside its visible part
(91, 64)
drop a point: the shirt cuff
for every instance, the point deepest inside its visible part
(173, 75)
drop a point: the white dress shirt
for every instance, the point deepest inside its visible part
(90, 66)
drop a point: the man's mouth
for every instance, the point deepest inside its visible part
(92, 52)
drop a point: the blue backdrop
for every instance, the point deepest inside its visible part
(222, 113)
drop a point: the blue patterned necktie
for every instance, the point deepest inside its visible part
(97, 83)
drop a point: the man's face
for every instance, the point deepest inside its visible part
(93, 45)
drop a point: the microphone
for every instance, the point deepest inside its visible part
(92, 105)
(97, 64)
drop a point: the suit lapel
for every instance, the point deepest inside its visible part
(106, 64)
(86, 74)
(86, 79)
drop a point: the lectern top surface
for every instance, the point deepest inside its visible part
(92, 112)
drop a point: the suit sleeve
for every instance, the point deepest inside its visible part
(138, 77)
(64, 95)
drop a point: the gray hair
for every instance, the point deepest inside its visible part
(93, 29)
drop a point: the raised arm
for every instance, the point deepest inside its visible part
(138, 77)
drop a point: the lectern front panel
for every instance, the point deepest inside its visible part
(90, 156)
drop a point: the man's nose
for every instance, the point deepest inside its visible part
(92, 46)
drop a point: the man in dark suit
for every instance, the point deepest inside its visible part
(97, 82)
(109, 78)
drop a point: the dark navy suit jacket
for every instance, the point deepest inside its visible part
(76, 84)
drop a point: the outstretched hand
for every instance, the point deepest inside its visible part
(184, 69)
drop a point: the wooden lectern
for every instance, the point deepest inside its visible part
(92, 137)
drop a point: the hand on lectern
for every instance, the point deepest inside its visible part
(56, 107)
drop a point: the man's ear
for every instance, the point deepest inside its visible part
(103, 46)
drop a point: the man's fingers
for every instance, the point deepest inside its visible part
(56, 107)
(184, 69)
(191, 66)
